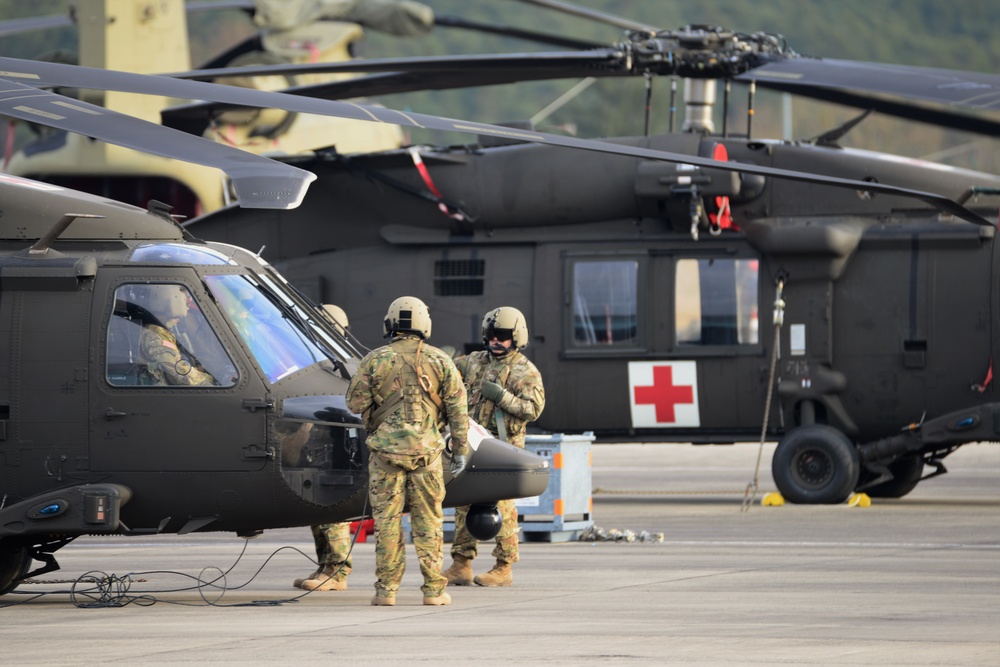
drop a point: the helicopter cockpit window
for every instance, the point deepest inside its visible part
(175, 253)
(158, 336)
(605, 303)
(716, 302)
(275, 336)
(319, 460)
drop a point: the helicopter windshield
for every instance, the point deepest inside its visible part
(274, 335)
(178, 253)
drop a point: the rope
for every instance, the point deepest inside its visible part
(779, 316)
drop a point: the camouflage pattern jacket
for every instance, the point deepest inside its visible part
(413, 429)
(525, 397)
(163, 362)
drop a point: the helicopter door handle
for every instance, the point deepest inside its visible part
(114, 414)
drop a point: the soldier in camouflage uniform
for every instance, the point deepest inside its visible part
(333, 553)
(406, 391)
(498, 380)
(333, 540)
(164, 353)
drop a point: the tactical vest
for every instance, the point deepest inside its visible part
(417, 396)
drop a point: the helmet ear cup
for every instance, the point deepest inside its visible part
(407, 314)
(506, 318)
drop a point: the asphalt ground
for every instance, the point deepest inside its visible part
(914, 581)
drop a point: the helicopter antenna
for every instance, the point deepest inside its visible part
(562, 100)
(831, 137)
(43, 244)
(673, 101)
(725, 107)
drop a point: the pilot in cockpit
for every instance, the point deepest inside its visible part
(165, 351)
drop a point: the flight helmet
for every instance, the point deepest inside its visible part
(506, 320)
(407, 314)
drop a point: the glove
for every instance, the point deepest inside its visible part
(492, 391)
(457, 464)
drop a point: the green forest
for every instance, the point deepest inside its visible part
(951, 34)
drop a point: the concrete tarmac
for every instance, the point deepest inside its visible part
(914, 581)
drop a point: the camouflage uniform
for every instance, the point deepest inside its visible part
(405, 468)
(523, 403)
(333, 548)
(163, 362)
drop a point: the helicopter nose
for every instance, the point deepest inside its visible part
(496, 470)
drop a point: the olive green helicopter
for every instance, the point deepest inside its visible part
(836, 300)
(243, 427)
(645, 264)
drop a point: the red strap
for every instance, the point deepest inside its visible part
(989, 378)
(418, 162)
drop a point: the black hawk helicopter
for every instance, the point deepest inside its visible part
(645, 281)
(243, 428)
(645, 270)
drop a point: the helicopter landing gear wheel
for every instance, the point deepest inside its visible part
(906, 473)
(14, 563)
(815, 464)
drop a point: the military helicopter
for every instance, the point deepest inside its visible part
(645, 281)
(644, 309)
(153, 38)
(243, 428)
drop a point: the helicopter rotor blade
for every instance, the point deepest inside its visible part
(517, 33)
(41, 74)
(937, 95)
(946, 98)
(259, 182)
(594, 15)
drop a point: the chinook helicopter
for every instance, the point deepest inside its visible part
(243, 429)
(151, 38)
(645, 281)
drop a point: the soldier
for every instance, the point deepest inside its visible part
(333, 540)
(406, 391)
(505, 393)
(333, 553)
(165, 353)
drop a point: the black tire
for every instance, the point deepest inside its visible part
(906, 473)
(14, 563)
(815, 464)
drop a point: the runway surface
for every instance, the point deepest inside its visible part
(914, 581)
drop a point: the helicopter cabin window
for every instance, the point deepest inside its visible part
(716, 302)
(605, 304)
(158, 336)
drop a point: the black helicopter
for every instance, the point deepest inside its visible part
(646, 281)
(247, 430)
(651, 266)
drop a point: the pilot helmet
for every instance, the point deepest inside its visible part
(506, 321)
(407, 314)
(336, 314)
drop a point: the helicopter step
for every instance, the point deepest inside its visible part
(86, 508)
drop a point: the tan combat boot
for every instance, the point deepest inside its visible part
(298, 582)
(499, 576)
(326, 580)
(439, 600)
(383, 601)
(460, 572)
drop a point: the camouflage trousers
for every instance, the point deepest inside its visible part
(505, 551)
(333, 547)
(421, 490)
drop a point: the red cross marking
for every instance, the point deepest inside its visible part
(664, 394)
